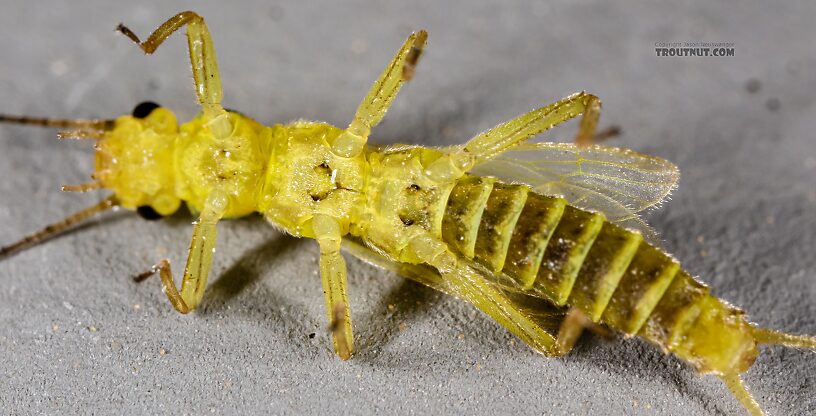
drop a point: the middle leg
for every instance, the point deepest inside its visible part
(351, 142)
(541, 325)
(335, 287)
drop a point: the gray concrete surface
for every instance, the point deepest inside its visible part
(77, 336)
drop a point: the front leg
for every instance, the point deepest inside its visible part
(459, 278)
(335, 288)
(199, 258)
(202, 60)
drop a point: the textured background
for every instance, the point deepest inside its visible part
(76, 335)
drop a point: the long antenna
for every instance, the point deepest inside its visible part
(64, 124)
(52, 230)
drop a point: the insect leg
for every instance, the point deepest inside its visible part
(571, 329)
(58, 227)
(589, 122)
(493, 142)
(376, 103)
(199, 258)
(335, 289)
(588, 129)
(202, 57)
(463, 280)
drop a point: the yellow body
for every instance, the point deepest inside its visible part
(544, 238)
(288, 173)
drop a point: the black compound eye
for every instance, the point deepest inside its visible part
(144, 109)
(147, 212)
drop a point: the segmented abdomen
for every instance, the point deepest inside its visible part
(575, 257)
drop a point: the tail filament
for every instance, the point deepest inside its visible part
(771, 337)
(735, 384)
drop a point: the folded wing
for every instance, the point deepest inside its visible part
(617, 182)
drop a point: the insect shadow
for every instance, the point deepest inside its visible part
(406, 302)
(633, 358)
(287, 319)
(245, 272)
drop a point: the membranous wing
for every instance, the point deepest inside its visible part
(617, 182)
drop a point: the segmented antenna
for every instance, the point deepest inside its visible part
(64, 124)
(83, 187)
(52, 230)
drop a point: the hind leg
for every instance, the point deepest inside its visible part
(541, 325)
(571, 329)
(460, 279)
(518, 130)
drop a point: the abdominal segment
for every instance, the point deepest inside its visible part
(575, 258)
